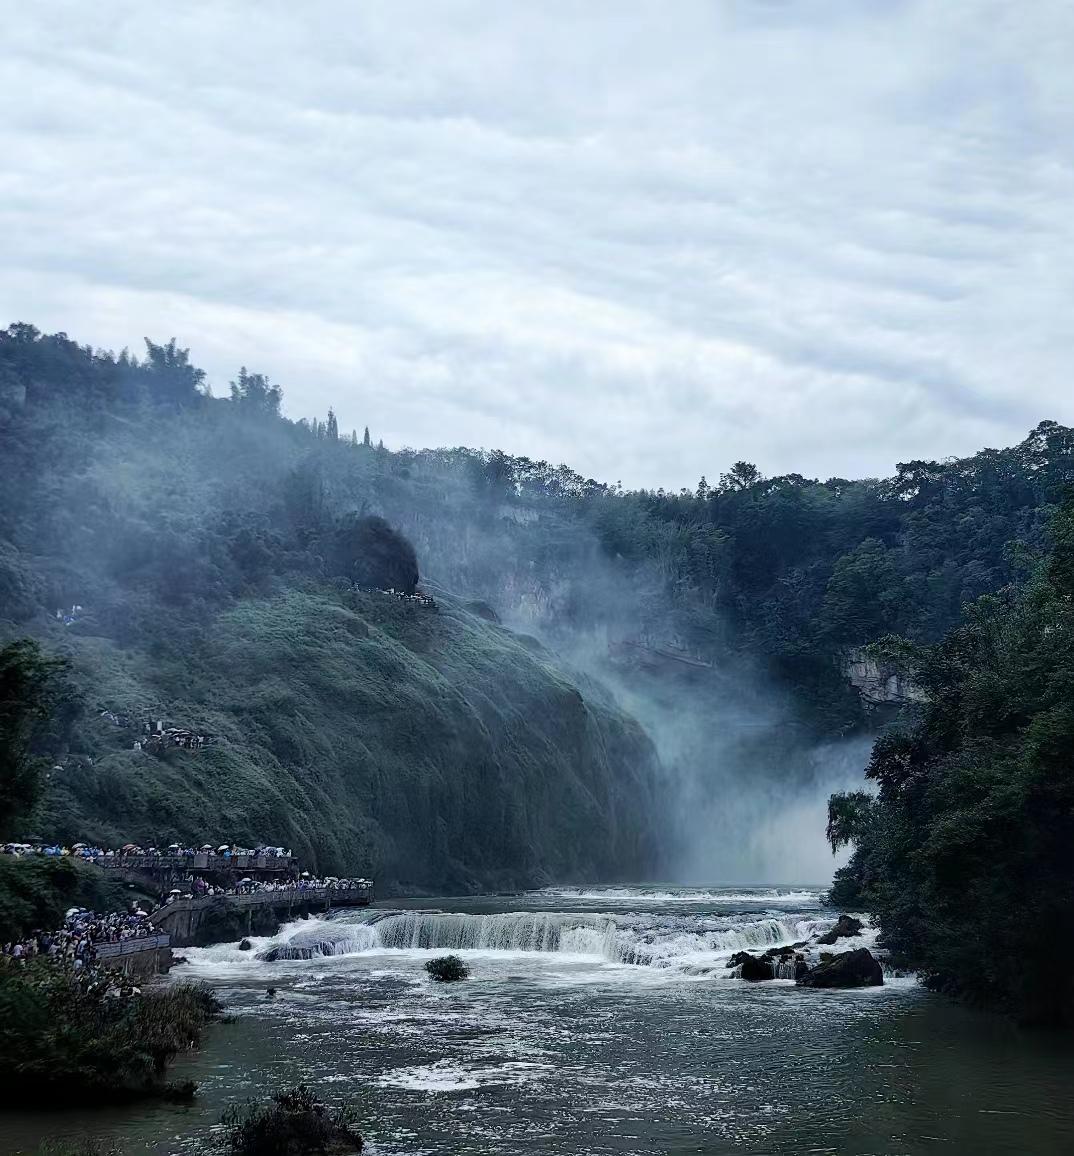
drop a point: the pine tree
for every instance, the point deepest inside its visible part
(366, 440)
(332, 426)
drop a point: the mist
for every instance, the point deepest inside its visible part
(745, 786)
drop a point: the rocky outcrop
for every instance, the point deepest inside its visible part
(845, 927)
(879, 683)
(851, 969)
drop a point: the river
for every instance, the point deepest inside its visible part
(596, 1021)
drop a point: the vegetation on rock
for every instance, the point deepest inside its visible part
(447, 969)
(293, 1123)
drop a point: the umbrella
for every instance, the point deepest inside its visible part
(222, 848)
(246, 880)
(207, 847)
(173, 846)
(77, 846)
(305, 874)
(129, 847)
(71, 911)
(175, 891)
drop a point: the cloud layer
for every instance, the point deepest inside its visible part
(646, 239)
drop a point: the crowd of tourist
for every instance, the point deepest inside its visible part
(92, 853)
(75, 943)
(195, 887)
(76, 940)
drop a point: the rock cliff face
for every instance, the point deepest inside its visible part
(879, 683)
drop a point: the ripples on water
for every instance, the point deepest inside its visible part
(600, 1021)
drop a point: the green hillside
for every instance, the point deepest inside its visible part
(434, 749)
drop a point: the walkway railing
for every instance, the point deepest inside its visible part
(131, 946)
(200, 862)
(281, 897)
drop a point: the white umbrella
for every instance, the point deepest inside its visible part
(207, 847)
(222, 848)
(246, 880)
(175, 891)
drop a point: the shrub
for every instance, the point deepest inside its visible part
(65, 1037)
(447, 968)
(293, 1123)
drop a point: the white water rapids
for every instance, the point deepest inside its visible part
(695, 943)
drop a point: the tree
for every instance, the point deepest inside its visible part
(171, 376)
(366, 439)
(31, 688)
(254, 393)
(332, 427)
(740, 476)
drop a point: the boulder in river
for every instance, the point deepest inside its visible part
(851, 969)
(752, 967)
(845, 927)
(246, 945)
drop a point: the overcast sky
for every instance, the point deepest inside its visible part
(647, 239)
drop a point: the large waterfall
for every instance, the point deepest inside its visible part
(651, 942)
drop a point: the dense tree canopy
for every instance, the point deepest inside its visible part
(964, 851)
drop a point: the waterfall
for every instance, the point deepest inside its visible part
(659, 942)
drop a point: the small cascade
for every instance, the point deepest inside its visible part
(658, 941)
(513, 931)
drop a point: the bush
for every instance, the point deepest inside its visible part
(294, 1123)
(447, 968)
(63, 1036)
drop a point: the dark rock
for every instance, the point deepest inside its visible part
(845, 926)
(754, 968)
(246, 945)
(851, 969)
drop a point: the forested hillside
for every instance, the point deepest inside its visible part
(964, 851)
(212, 546)
(177, 552)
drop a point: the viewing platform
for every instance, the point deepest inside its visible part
(145, 955)
(186, 921)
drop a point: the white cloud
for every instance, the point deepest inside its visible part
(645, 239)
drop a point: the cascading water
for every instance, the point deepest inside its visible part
(649, 941)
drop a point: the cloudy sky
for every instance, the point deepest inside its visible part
(646, 239)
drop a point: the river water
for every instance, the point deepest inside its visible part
(596, 1021)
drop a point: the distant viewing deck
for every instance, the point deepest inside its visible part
(203, 861)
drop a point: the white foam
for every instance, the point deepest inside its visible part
(447, 1077)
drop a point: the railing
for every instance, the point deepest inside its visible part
(131, 946)
(285, 896)
(201, 862)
